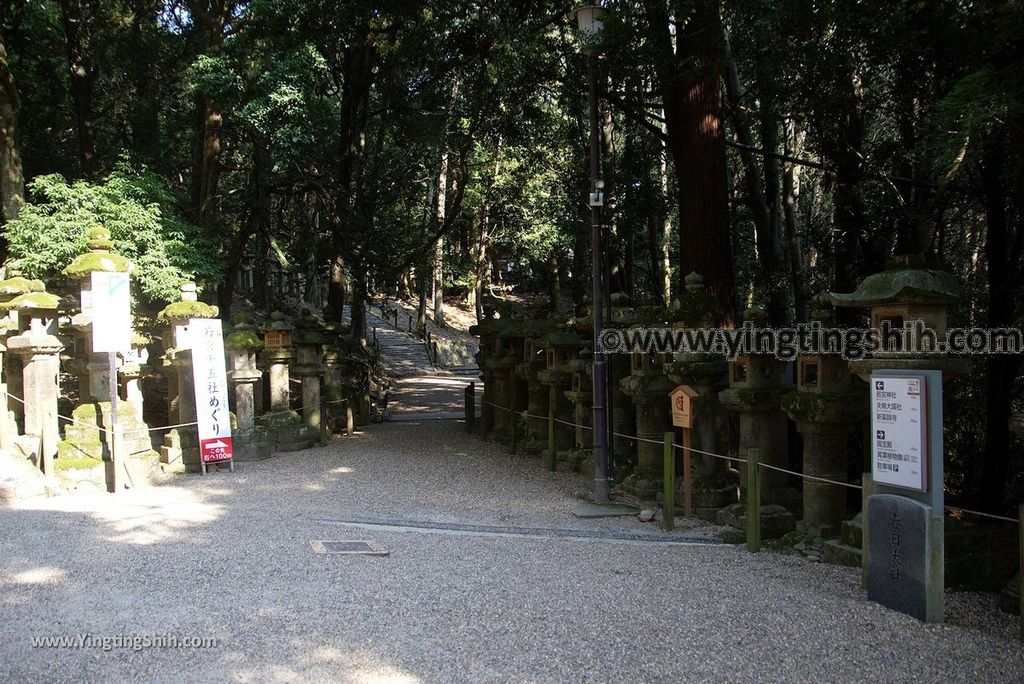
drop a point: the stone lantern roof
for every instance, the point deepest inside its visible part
(244, 337)
(33, 300)
(905, 281)
(98, 258)
(19, 285)
(188, 307)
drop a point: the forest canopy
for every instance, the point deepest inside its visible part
(780, 148)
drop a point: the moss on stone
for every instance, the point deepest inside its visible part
(100, 261)
(244, 340)
(12, 287)
(903, 285)
(74, 455)
(32, 300)
(180, 311)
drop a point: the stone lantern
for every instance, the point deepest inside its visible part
(242, 344)
(337, 413)
(581, 394)
(309, 340)
(487, 330)
(825, 407)
(39, 350)
(277, 353)
(93, 368)
(529, 336)
(87, 436)
(561, 348)
(649, 388)
(755, 385)
(705, 373)
(284, 424)
(181, 445)
(905, 292)
(14, 286)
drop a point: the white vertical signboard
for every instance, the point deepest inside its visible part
(111, 312)
(899, 450)
(210, 379)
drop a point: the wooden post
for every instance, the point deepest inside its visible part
(668, 499)
(6, 439)
(552, 451)
(470, 406)
(753, 500)
(350, 418)
(687, 475)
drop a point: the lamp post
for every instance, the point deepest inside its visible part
(590, 24)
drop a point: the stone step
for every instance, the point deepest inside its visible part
(837, 553)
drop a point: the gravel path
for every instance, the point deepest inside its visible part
(228, 556)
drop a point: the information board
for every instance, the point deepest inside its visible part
(111, 312)
(899, 450)
(206, 339)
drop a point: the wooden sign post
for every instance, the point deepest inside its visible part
(684, 400)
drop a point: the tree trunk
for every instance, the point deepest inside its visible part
(797, 267)
(762, 193)
(82, 77)
(439, 215)
(691, 88)
(12, 180)
(1000, 370)
(210, 18)
(359, 293)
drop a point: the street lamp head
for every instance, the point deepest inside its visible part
(589, 20)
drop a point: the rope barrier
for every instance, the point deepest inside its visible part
(812, 477)
(983, 515)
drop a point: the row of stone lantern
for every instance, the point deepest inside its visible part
(31, 344)
(824, 402)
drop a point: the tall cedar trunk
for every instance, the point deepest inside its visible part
(692, 92)
(1003, 279)
(259, 215)
(423, 282)
(357, 78)
(439, 214)
(145, 72)
(801, 298)
(480, 262)
(12, 180)
(82, 78)
(848, 221)
(210, 18)
(762, 194)
(666, 228)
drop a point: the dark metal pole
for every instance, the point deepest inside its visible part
(600, 416)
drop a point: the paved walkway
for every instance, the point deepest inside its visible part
(489, 578)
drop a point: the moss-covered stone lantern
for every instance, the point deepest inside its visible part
(907, 291)
(755, 385)
(242, 343)
(648, 387)
(825, 407)
(561, 347)
(714, 485)
(181, 445)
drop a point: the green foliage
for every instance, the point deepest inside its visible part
(139, 212)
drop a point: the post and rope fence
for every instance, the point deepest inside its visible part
(753, 481)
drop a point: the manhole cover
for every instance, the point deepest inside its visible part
(357, 548)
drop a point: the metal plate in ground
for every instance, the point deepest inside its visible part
(350, 547)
